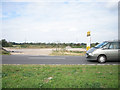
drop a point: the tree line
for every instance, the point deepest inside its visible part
(5, 43)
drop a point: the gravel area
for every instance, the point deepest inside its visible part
(40, 51)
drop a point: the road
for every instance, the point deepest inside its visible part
(24, 59)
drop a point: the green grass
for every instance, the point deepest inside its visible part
(2, 52)
(35, 46)
(45, 46)
(63, 76)
(82, 46)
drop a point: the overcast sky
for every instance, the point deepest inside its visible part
(59, 20)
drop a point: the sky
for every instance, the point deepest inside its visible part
(59, 20)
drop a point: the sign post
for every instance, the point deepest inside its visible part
(88, 40)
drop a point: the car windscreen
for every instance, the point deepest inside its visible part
(101, 45)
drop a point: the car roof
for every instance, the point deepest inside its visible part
(113, 41)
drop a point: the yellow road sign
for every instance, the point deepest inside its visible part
(87, 48)
(88, 33)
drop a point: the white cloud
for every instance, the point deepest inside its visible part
(60, 0)
(50, 22)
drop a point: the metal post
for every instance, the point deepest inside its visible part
(88, 40)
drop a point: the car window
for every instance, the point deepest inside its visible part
(114, 45)
(101, 45)
(106, 46)
(119, 45)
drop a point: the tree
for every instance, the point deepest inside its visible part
(6, 44)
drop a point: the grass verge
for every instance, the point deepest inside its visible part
(2, 52)
(69, 53)
(60, 76)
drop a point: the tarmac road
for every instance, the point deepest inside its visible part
(24, 59)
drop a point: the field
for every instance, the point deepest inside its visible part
(32, 46)
(60, 76)
(46, 46)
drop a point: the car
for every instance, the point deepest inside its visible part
(105, 51)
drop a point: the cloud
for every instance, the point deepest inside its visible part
(66, 1)
(58, 21)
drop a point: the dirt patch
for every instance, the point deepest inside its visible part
(39, 51)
